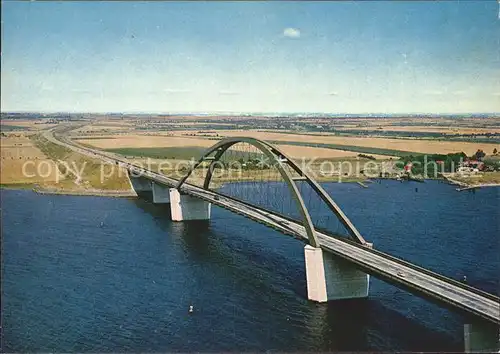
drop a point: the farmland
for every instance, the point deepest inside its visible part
(166, 140)
(26, 124)
(409, 145)
(338, 146)
(35, 161)
(142, 145)
(23, 163)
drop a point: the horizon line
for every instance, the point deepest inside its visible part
(242, 113)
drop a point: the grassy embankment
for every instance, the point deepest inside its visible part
(487, 178)
(27, 186)
(89, 170)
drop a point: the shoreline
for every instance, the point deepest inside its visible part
(102, 192)
(462, 186)
(455, 182)
(477, 186)
(89, 192)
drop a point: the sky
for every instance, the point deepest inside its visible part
(303, 56)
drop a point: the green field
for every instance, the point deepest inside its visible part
(179, 153)
(51, 150)
(91, 172)
(9, 128)
(99, 137)
(492, 138)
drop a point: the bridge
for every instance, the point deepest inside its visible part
(338, 266)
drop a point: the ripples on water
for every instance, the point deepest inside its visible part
(71, 285)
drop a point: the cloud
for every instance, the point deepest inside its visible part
(445, 92)
(47, 87)
(176, 91)
(291, 32)
(434, 92)
(333, 93)
(228, 93)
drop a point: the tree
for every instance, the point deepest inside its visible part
(479, 155)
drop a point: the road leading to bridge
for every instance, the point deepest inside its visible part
(420, 281)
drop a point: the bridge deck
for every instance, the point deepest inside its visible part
(416, 279)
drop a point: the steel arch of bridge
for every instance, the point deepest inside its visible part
(279, 158)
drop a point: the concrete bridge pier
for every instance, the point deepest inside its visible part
(481, 337)
(333, 278)
(185, 207)
(140, 184)
(161, 193)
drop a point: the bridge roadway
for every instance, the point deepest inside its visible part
(415, 279)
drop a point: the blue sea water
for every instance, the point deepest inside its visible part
(72, 285)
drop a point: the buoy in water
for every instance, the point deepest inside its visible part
(191, 309)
